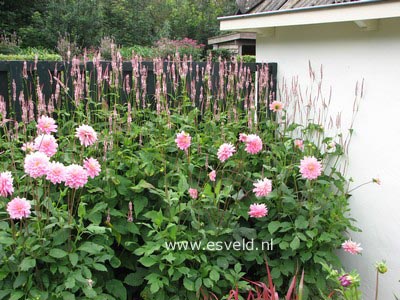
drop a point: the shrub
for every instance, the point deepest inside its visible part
(9, 44)
(67, 48)
(277, 185)
(166, 47)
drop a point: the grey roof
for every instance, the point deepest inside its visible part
(256, 6)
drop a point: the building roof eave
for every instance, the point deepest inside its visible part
(343, 12)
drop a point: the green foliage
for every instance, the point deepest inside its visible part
(224, 54)
(142, 51)
(130, 22)
(114, 238)
(247, 58)
(32, 54)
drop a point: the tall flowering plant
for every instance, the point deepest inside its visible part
(123, 197)
(41, 190)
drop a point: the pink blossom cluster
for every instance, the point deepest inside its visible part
(183, 140)
(258, 210)
(310, 168)
(37, 164)
(262, 187)
(352, 247)
(253, 143)
(6, 184)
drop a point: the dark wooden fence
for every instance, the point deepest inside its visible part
(22, 78)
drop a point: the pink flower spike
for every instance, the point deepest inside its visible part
(6, 184)
(46, 125)
(299, 144)
(19, 208)
(86, 134)
(253, 144)
(36, 164)
(193, 193)
(76, 176)
(242, 137)
(225, 151)
(310, 167)
(47, 144)
(183, 140)
(258, 210)
(56, 172)
(212, 175)
(276, 106)
(262, 187)
(351, 247)
(92, 167)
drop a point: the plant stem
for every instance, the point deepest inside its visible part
(377, 285)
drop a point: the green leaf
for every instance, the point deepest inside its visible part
(135, 279)
(183, 185)
(148, 261)
(60, 236)
(222, 262)
(96, 229)
(81, 210)
(27, 264)
(143, 184)
(16, 295)
(117, 289)
(7, 241)
(139, 204)
(57, 253)
(214, 275)
(188, 284)
(99, 267)
(301, 222)
(73, 258)
(21, 279)
(295, 243)
(70, 282)
(91, 248)
(274, 226)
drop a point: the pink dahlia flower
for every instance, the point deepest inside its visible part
(56, 172)
(46, 125)
(299, 144)
(193, 193)
(76, 176)
(225, 151)
(276, 106)
(183, 140)
(345, 280)
(242, 137)
(36, 164)
(253, 144)
(212, 175)
(86, 135)
(262, 187)
(19, 208)
(310, 167)
(351, 247)
(28, 147)
(258, 210)
(6, 184)
(47, 144)
(92, 167)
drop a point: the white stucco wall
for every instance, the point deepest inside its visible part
(348, 55)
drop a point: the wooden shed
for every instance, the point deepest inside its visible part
(242, 43)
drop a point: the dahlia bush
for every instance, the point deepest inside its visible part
(110, 193)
